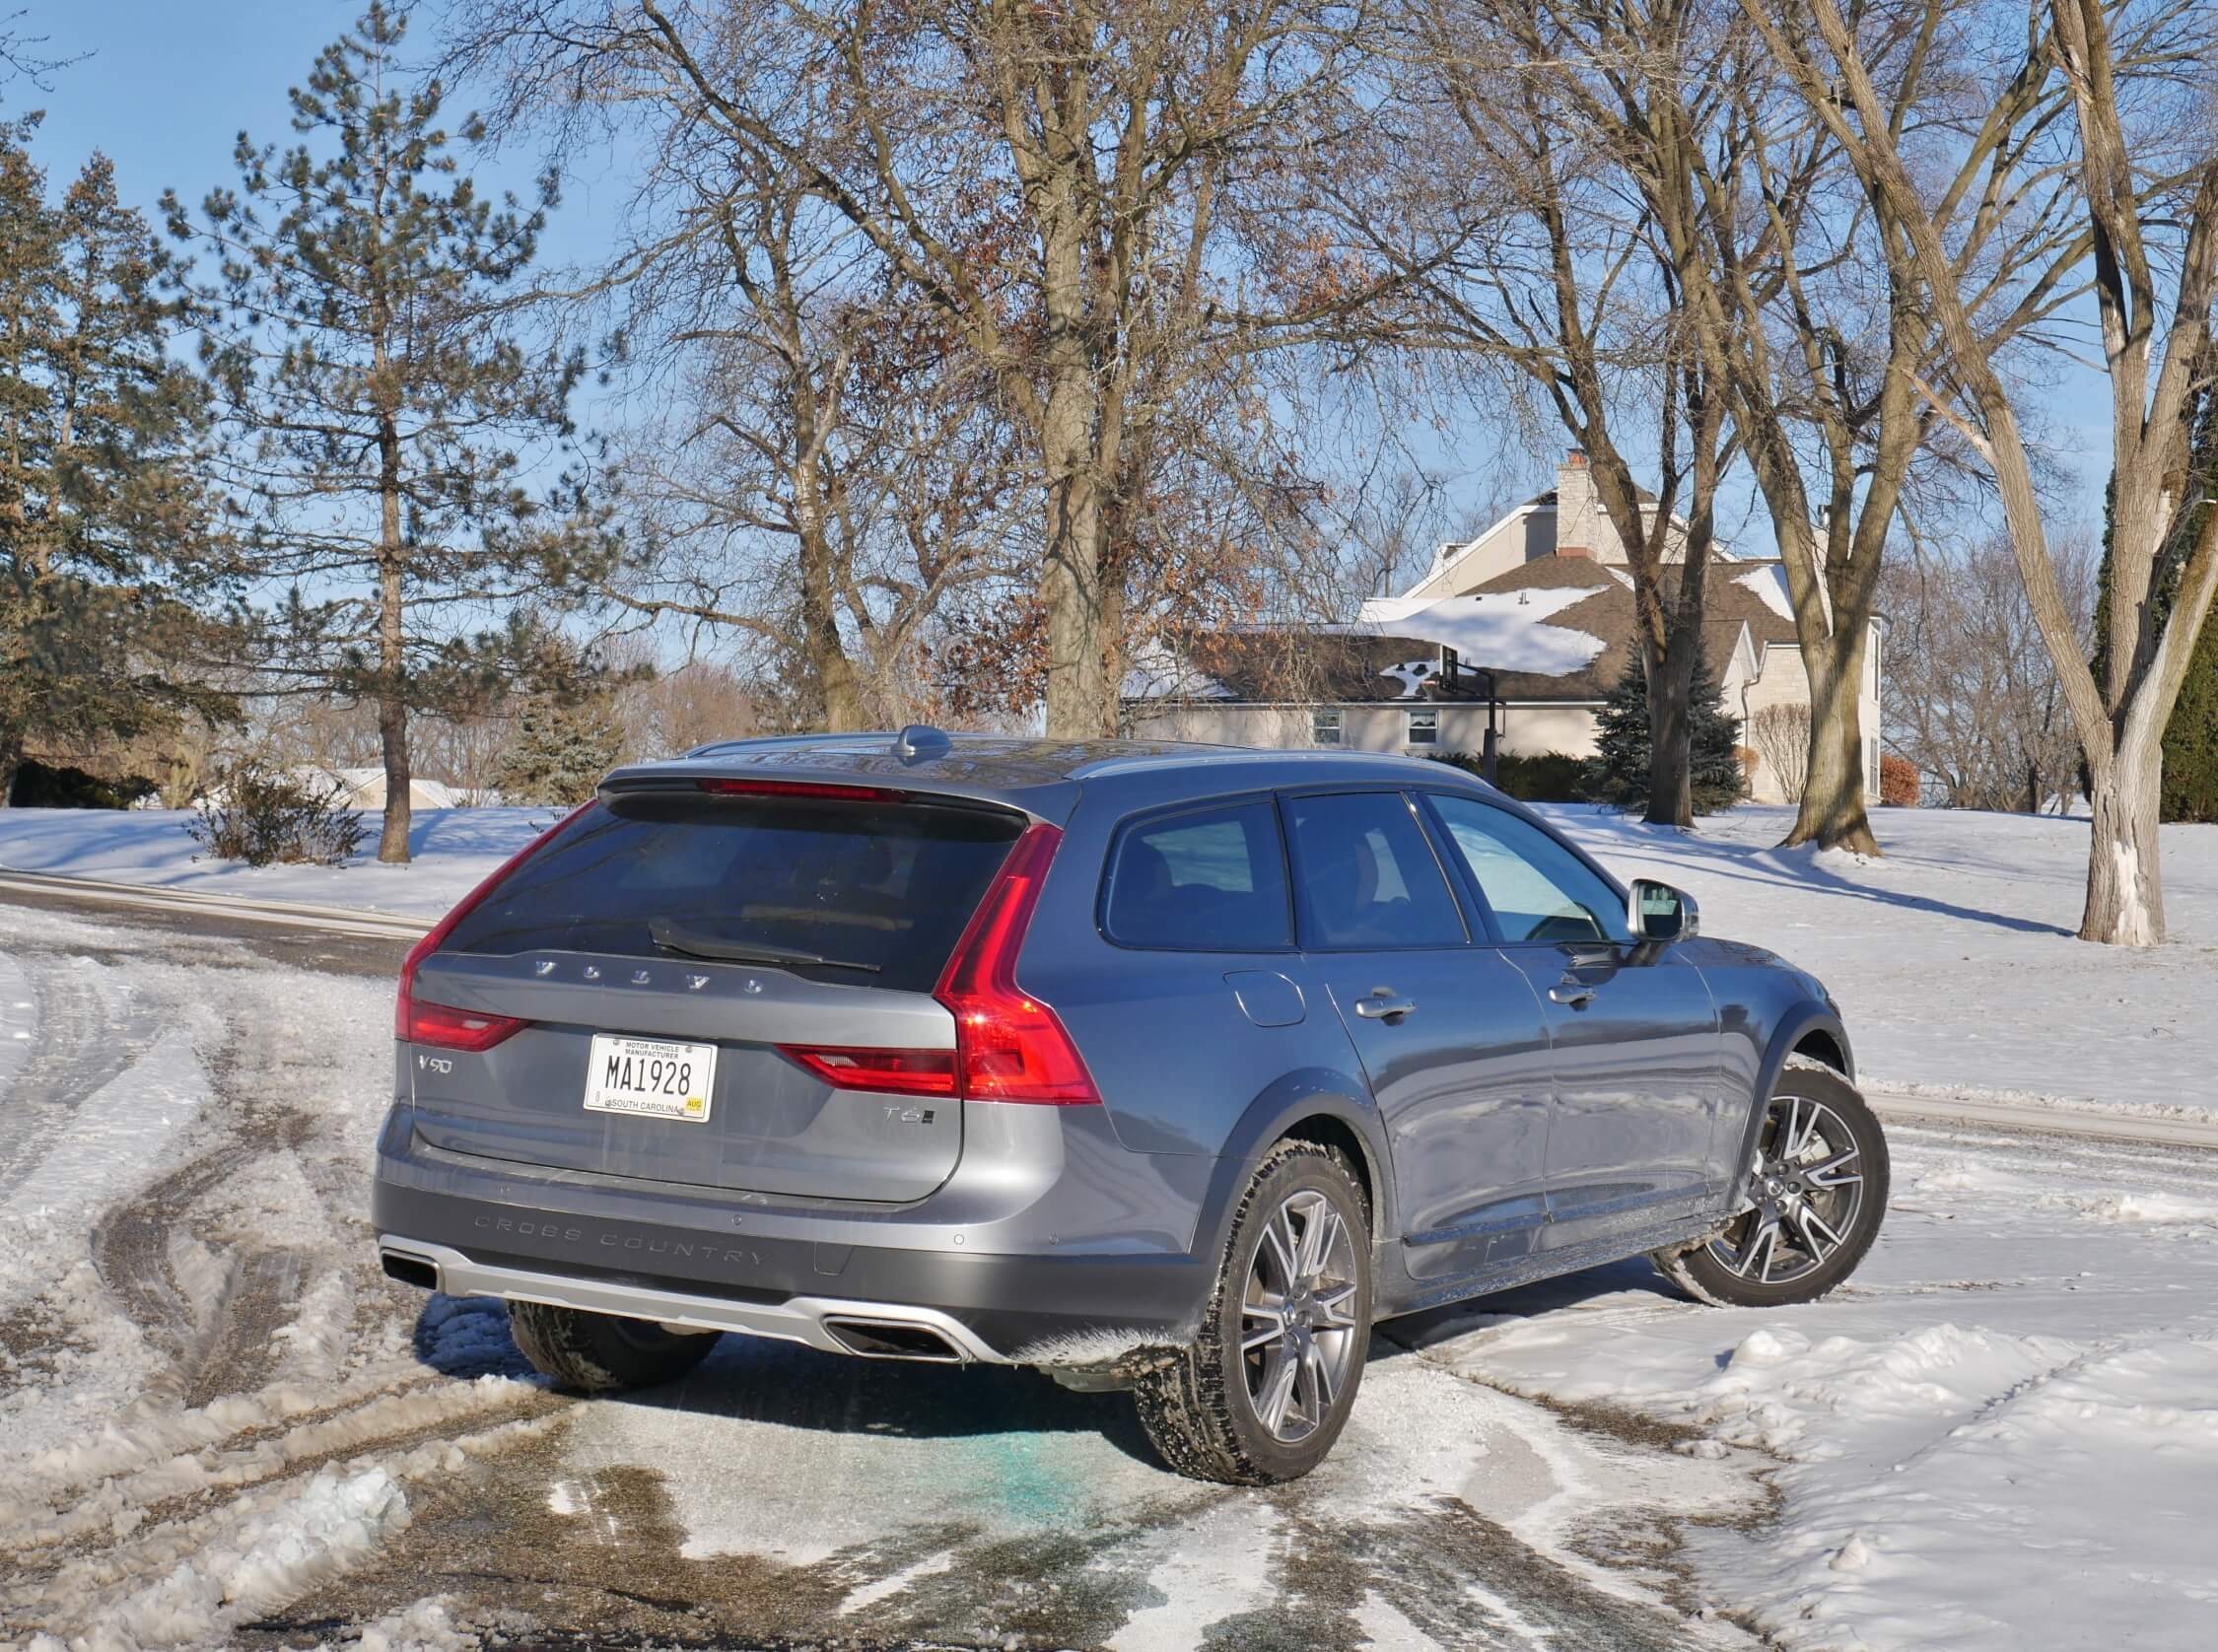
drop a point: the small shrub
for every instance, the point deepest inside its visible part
(1542, 777)
(1899, 784)
(257, 815)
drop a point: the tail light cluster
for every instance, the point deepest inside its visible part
(441, 1025)
(1009, 1045)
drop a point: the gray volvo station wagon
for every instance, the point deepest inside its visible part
(1163, 1067)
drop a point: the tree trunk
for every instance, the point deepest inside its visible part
(2124, 884)
(1671, 778)
(11, 760)
(393, 718)
(392, 653)
(1831, 815)
(821, 644)
(1071, 579)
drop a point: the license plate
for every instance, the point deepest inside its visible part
(651, 1078)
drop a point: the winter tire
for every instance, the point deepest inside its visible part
(1818, 1192)
(1266, 1387)
(598, 1353)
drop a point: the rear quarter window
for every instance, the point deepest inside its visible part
(886, 886)
(1204, 880)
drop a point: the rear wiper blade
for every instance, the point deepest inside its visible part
(676, 937)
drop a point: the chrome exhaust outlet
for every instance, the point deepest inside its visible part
(409, 1269)
(891, 1338)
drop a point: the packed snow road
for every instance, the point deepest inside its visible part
(221, 1425)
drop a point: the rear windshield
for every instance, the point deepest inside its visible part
(884, 886)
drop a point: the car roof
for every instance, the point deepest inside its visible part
(1040, 776)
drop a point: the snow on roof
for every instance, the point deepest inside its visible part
(1413, 676)
(1155, 672)
(1768, 584)
(1497, 630)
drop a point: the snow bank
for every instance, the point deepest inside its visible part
(454, 849)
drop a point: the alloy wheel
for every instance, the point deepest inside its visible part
(1298, 1335)
(1807, 1190)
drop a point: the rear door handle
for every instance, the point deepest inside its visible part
(1383, 1006)
(1570, 992)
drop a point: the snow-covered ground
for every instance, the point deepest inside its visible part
(1952, 956)
(454, 849)
(2001, 1434)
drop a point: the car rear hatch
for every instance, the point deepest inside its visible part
(722, 983)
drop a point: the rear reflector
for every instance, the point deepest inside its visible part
(1009, 1045)
(446, 1028)
(423, 1028)
(901, 1073)
(827, 792)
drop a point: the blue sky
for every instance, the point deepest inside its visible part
(169, 83)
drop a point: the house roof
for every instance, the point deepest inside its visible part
(1575, 616)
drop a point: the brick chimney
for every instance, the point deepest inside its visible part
(1578, 515)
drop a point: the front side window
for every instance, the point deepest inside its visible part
(1424, 728)
(1212, 881)
(1539, 890)
(1324, 728)
(1366, 875)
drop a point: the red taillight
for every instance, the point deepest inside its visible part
(1009, 1045)
(422, 1023)
(448, 1028)
(901, 1073)
(828, 791)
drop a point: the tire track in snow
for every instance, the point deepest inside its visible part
(86, 1031)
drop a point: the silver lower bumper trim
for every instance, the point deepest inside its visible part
(798, 1318)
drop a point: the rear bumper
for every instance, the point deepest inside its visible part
(786, 1270)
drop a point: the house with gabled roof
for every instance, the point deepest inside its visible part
(1521, 631)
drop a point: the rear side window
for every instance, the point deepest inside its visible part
(1368, 875)
(888, 887)
(1210, 881)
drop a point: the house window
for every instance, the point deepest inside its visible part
(1324, 728)
(1424, 728)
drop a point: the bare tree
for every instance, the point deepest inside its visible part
(2147, 167)
(1823, 356)
(1572, 126)
(1101, 200)
(1974, 698)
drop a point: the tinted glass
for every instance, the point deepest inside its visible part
(1538, 889)
(887, 885)
(1213, 881)
(1368, 878)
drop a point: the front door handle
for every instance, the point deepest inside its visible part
(1383, 1006)
(1571, 993)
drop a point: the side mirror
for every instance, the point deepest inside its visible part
(1658, 911)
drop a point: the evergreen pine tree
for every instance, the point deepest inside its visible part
(363, 334)
(560, 751)
(105, 525)
(1617, 772)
